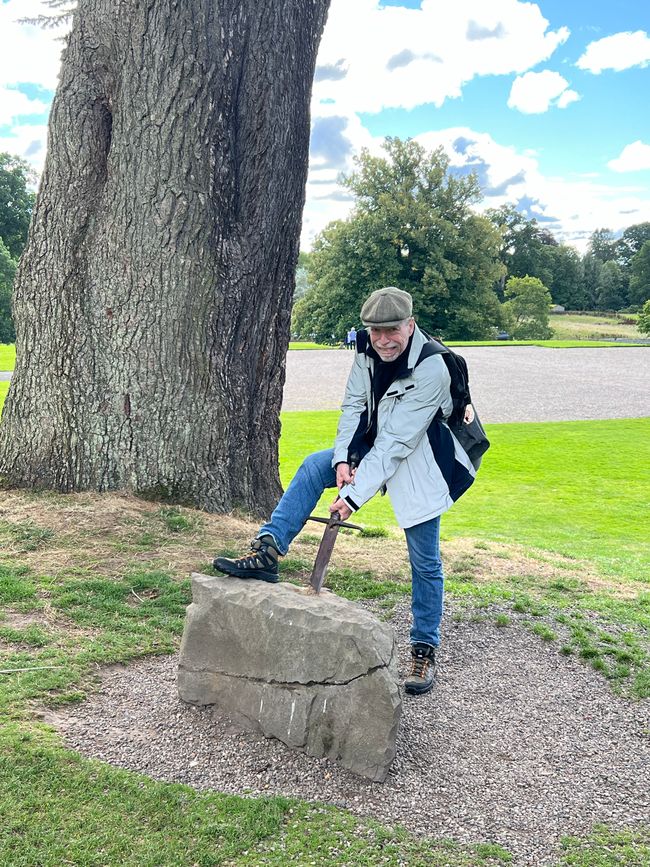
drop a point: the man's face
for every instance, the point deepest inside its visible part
(389, 343)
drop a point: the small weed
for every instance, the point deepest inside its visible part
(543, 631)
(295, 566)
(175, 521)
(493, 852)
(310, 538)
(481, 546)
(374, 533)
(363, 585)
(502, 620)
(566, 650)
(14, 587)
(33, 636)
(25, 537)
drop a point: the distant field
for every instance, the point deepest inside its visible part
(575, 326)
(302, 345)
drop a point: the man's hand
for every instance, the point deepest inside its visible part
(341, 507)
(468, 418)
(344, 475)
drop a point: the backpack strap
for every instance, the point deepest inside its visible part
(458, 374)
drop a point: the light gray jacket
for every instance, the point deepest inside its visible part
(415, 457)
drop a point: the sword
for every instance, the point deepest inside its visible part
(334, 523)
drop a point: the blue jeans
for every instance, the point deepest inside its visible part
(314, 475)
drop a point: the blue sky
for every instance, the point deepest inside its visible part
(547, 101)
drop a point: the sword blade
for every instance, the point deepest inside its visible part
(323, 556)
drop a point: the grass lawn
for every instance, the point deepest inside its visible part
(579, 489)
(4, 388)
(554, 534)
(7, 356)
(303, 345)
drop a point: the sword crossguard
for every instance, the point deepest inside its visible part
(334, 522)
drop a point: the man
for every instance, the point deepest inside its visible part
(393, 417)
(352, 338)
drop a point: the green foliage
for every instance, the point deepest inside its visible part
(527, 308)
(567, 284)
(412, 226)
(8, 267)
(643, 323)
(16, 202)
(612, 287)
(526, 248)
(640, 275)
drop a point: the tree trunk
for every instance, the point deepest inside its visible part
(152, 303)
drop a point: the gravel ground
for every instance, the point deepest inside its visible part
(509, 383)
(516, 745)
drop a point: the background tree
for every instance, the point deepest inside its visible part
(526, 249)
(16, 202)
(629, 244)
(566, 277)
(640, 275)
(591, 270)
(644, 319)
(152, 302)
(527, 308)
(7, 273)
(412, 226)
(612, 287)
(602, 245)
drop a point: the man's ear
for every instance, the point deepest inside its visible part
(411, 326)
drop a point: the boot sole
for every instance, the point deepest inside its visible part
(255, 575)
(418, 690)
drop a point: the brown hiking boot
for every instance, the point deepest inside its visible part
(423, 669)
(261, 563)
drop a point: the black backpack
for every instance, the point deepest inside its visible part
(471, 436)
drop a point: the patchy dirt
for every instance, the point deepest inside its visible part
(109, 532)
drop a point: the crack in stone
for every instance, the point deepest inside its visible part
(291, 685)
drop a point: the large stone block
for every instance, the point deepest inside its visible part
(316, 672)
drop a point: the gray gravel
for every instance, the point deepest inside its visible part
(508, 383)
(517, 745)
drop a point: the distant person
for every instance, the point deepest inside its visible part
(393, 418)
(352, 338)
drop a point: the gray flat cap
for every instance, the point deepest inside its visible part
(386, 307)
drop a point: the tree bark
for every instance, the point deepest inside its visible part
(152, 303)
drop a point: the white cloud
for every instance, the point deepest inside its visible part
(28, 141)
(398, 57)
(27, 53)
(536, 92)
(570, 208)
(14, 104)
(567, 98)
(633, 158)
(617, 52)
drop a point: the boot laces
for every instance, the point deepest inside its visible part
(420, 666)
(257, 558)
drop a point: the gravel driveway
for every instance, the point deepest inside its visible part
(508, 383)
